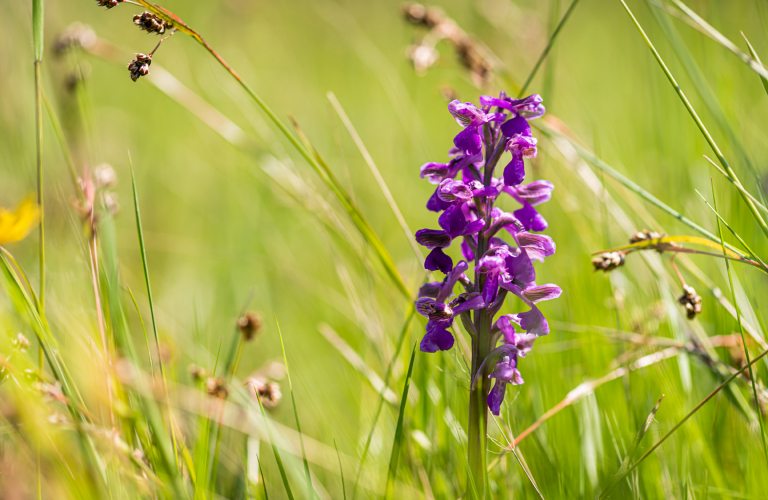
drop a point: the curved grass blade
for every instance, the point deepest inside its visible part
(738, 185)
(401, 340)
(752, 254)
(140, 233)
(697, 408)
(707, 28)
(675, 239)
(547, 48)
(551, 131)
(741, 328)
(341, 470)
(276, 452)
(696, 119)
(624, 469)
(310, 491)
(395, 457)
(756, 58)
(376, 174)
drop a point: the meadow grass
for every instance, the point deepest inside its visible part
(241, 194)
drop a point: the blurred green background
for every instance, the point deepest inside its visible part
(229, 228)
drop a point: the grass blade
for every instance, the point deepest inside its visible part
(722, 40)
(310, 490)
(696, 119)
(142, 247)
(341, 470)
(394, 459)
(624, 468)
(697, 408)
(741, 328)
(376, 174)
(752, 51)
(276, 452)
(547, 48)
(403, 335)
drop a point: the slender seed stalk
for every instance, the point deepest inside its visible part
(741, 328)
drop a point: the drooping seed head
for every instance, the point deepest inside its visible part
(108, 3)
(645, 235)
(691, 301)
(150, 23)
(217, 387)
(608, 261)
(139, 66)
(249, 325)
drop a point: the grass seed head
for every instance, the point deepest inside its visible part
(217, 387)
(691, 301)
(249, 325)
(150, 23)
(608, 261)
(108, 3)
(139, 66)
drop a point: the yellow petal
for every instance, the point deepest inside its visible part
(15, 226)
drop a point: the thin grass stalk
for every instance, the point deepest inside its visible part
(64, 148)
(94, 262)
(697, 120)
(142, 247)
(547, 48)
(341, 470)
(276, 452)
(310, 490)
(144, 329)
(738, 185)
(395, 457)
(403, 334)
(695, 409)
(741, 328)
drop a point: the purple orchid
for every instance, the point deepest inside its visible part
(464, 197)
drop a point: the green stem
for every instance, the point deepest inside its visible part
(40, 199)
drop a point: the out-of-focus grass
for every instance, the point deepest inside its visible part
(219, 230)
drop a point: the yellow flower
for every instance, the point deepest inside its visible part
(15, 226)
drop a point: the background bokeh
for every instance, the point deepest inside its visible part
(229, 228)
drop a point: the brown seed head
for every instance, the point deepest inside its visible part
(108, 3)
(608, 261)
(645, 235)
(139, 66)
(197, 373)
(268, 392)
(691, 301)
(217, 387)
(249, 325)
(150, 23)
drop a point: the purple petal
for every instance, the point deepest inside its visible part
(433, 169)
(534, 322)
(466, 251)
(496, 396)
(473, 227)
(520, 269)
(433, 238)
(450, 281)
(475, 302)
(430, 289)
(504, 324)
(514, 172)
(531, 219)
(453, 220)
(435, 204)
(436, 339)
(538, 246)
(517, 125)
(469, 141)
(487, 100)
(542, 292)
(536, 192)
(438, 261)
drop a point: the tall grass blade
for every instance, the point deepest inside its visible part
(738, 185)
(547, 48)
(341, 470)
(276, 452)
(552, 132)
(752, 51)
(310, 491)
(403, 334)
(696, 119)
(263, 481)
(741, 328)
(143, 328)
(395, 457)
(625, 464)
(722, 40)
(145, 266)
(376, 174)
(697, 408)
(702, 87)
